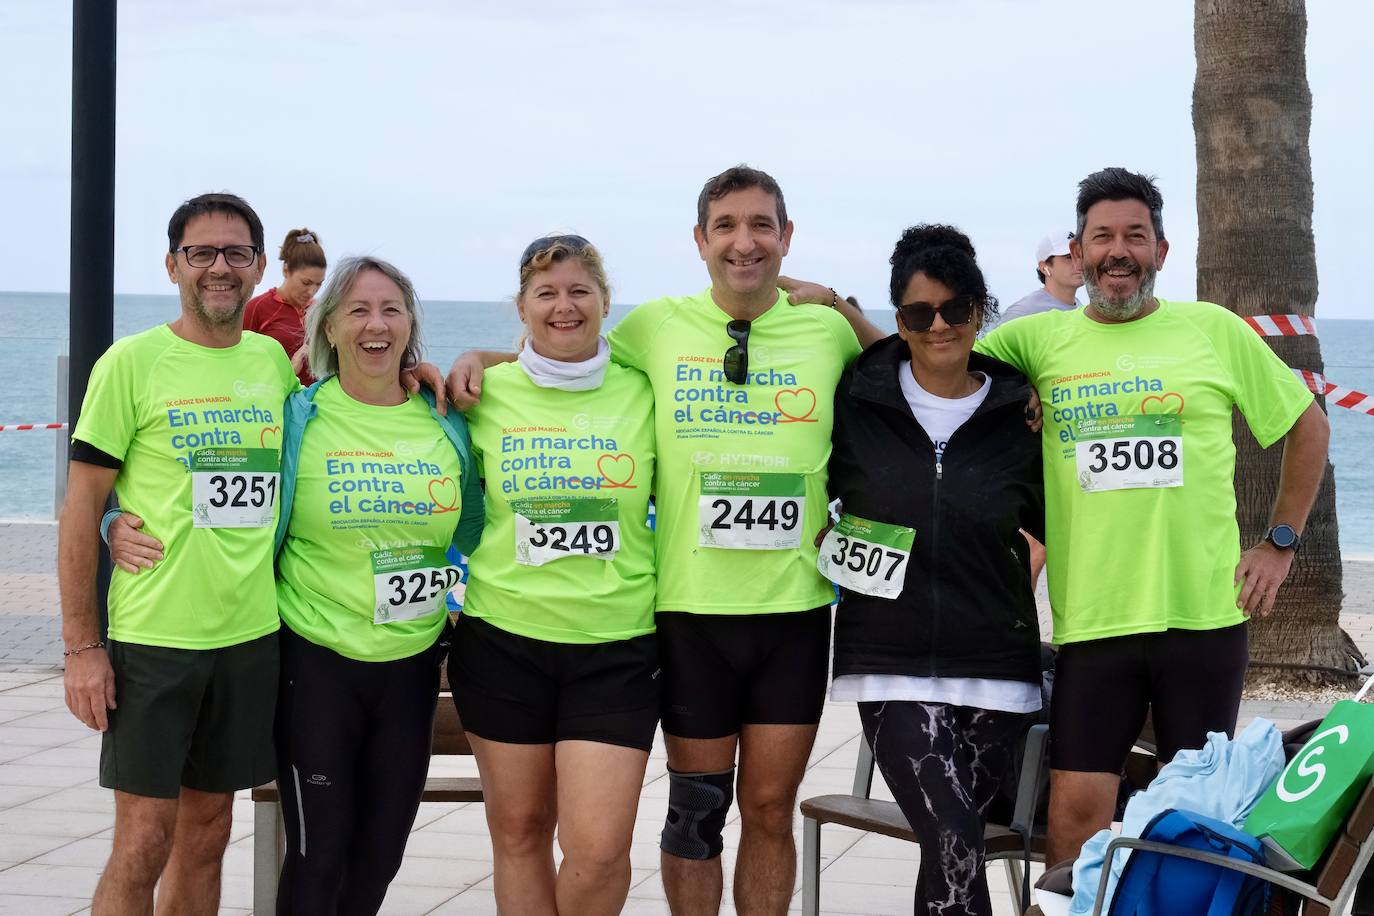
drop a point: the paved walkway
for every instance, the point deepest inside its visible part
(56, 822)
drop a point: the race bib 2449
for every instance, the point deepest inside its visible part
(751, 511)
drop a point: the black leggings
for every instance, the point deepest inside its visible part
(353, 742)
(944, 765)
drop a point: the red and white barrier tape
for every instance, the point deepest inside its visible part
(1282, 325)
(16, 427)
(1335, 394)
(1300, 326)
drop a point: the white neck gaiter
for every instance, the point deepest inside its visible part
(553, 373)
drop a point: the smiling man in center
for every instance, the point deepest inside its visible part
(743, 384)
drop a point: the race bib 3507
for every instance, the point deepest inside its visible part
(234, 487)
(866, 557)
(1131, 452)
(751, 511)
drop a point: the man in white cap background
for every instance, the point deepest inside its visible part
(1060, 281)
(1059, 277)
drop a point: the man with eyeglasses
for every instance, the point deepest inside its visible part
(743, 385)
(183, 422)
(1149, 587)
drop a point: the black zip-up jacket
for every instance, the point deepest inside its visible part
(966, 607)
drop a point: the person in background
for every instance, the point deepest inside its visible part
(937, 638)
(1059, 280)
(555, 664)
(280, 312)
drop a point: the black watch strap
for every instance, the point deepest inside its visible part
(1284, 537)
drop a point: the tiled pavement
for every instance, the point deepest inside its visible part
(55, 821)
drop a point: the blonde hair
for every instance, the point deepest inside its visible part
(324, 360)
(584, 254)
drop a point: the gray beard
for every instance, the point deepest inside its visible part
(216, 321)
(1120, 309)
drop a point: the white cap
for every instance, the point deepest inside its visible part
(1053, 245)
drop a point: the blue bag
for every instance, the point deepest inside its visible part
(1153, 884)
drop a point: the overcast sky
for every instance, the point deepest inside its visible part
(445, 135)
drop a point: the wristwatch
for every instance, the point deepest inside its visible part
(1284, 537)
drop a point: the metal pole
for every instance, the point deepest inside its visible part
(59, 483)
(91, 287)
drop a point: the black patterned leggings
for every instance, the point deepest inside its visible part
(944, 765)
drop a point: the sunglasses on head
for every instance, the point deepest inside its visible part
(736, 359)
(919, 316)
(538, 246)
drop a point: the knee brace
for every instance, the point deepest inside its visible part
(697, 806)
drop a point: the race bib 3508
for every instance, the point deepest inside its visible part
(751, 511)
(866, 557)
(553, 528)
(234, 487)
(1131, 452)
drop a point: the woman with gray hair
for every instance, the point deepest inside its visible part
(376, 486)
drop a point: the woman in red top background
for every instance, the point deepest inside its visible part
(280, 312)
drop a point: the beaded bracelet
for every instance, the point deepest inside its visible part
(98, 644)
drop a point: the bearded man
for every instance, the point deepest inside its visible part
(1149, 587)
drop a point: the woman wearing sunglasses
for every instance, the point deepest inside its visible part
(936, 636)
(554, 663)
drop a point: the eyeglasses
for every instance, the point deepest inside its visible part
(206, 255)
(919, 316)
(575, 242)
(736, 359)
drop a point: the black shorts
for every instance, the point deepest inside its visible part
(519, 690)
(723, 671)
(199, 718)
(1188, 680)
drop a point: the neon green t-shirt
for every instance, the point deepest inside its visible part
(1141, 528)
(742, 468)
(198, 430)
(378, 492)
(567, 555)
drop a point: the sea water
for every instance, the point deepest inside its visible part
(33, 333)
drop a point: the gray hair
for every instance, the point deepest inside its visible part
(324, 360)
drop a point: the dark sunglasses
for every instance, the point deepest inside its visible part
(736, 360)
(575, 242)
(919, 316)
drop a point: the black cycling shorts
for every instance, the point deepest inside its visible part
(1188, 680)
(519, 690)
(724, 671)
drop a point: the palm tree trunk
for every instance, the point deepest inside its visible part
(1252, 113)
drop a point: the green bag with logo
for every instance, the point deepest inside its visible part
(1303, 810)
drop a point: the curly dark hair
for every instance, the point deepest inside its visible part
(942, 253)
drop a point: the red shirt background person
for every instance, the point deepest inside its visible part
(280, 312)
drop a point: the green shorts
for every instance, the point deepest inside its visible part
(199, 718)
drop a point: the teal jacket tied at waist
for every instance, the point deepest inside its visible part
(301, 409)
